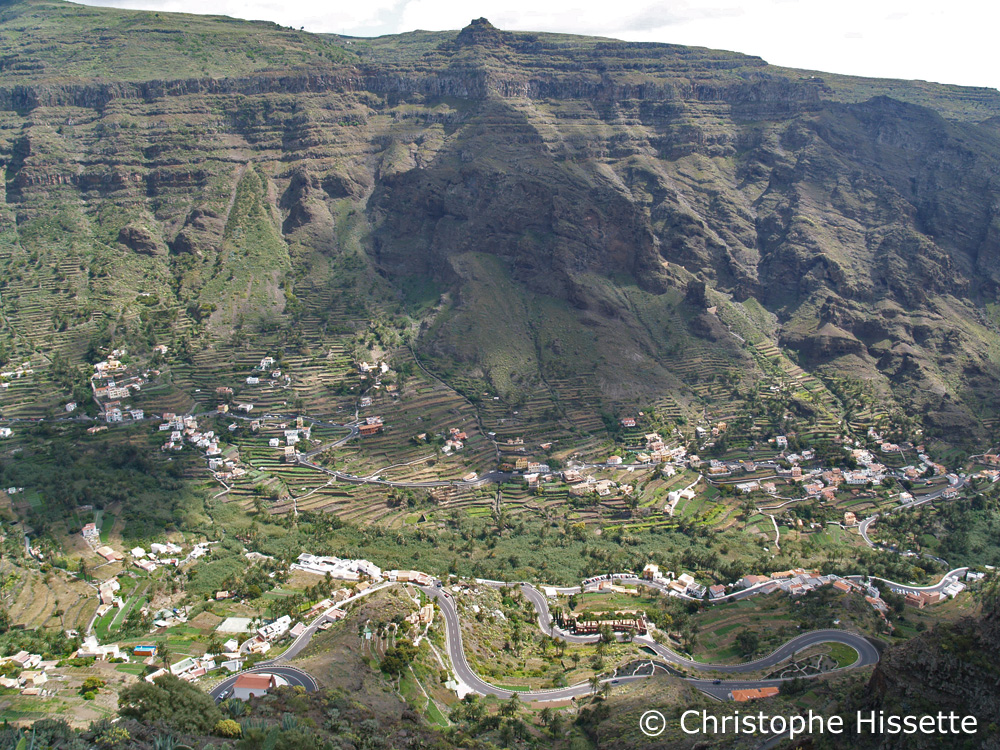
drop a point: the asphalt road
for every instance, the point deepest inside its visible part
(867, 655)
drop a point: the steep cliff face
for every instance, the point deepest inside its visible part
(950, 669)
(599, 176)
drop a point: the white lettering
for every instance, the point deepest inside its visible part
(684, 724)
(869, 720)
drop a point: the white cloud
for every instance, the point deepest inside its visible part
(950, 43)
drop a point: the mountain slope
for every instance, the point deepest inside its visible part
(575, 190)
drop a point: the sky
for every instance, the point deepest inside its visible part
(945, 42)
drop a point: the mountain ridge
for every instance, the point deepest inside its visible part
(594, 179)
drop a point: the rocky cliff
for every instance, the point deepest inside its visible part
(232, 168)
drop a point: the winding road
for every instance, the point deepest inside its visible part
(867, 655)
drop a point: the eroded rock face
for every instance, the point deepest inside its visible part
(865, 224)
(141, 240)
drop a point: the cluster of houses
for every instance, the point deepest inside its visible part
(148, 561)
(357, 570)
(714, 431)
(455, 440)
(794, 582)
(633, 622)
(158, 554)
(291, 435)
(268, 368)
(185, 428)
(652, 450)
(376, 371)
(337, 568)
(113, 384)
(33, 674)
(600, 487)
(682, 585)
(18, 372)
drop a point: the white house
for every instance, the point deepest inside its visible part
(276, 629)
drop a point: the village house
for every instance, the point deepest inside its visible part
(372, 426)
(33, 678)
(753, 580)
(410, 576)
(350, 570)
(109, 554)
(274, 630)
(249, 686)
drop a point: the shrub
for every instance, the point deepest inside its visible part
(227, 728)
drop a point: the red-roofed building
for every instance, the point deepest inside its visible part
(251, 685)
(742, 696)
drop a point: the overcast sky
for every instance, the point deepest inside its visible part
(948, 42)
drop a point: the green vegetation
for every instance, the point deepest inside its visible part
(171, 701)
(726, 259)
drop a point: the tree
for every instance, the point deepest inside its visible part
(748, 642)
(556, 725)
(397, 659)
(172, 701)
(91, 685)
(511, 706)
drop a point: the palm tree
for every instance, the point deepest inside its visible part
(511, 706)
(595, 683)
